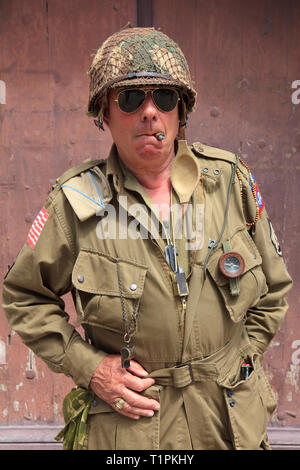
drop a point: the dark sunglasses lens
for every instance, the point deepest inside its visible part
(165, 99)
(131, 100)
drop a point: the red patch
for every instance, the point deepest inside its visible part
(37, 227)
(259, 198)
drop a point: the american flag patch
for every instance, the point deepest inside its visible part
(37, 227)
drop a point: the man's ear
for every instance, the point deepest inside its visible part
(105, 112)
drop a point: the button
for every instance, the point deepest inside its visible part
(80, 278)
(229, 393)
(232, 403)
(206, 170)
(216, 172)
(94, 403)
(133, 287)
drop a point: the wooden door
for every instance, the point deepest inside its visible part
(244, 59)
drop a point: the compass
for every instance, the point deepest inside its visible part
(232, 264)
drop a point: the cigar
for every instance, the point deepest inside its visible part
(160, 136)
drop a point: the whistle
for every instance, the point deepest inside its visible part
(160, 136)
(127, 353)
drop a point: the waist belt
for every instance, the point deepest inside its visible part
(214, 367)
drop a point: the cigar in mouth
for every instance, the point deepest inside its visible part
(160, 136)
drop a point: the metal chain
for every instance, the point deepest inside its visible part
(131, 328)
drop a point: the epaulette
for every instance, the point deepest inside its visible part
(213, 152)
(86, 188)
(249, 186)
(76, 170)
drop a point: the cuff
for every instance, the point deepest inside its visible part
(81, 361)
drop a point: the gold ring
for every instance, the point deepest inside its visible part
(120, 403)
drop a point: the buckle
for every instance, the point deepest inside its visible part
(189, 364)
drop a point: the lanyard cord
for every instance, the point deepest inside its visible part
(101, 203)
(171, 242)
(214, 243)
(173, 232)
(97, 189)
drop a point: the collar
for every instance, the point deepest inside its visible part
(114, 168)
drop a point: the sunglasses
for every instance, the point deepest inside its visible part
(165, 99)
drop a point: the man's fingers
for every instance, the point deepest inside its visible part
(136, 401)
(136, 369)
(110, 382)
(134, 412)
(137, 384)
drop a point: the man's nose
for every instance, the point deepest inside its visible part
(149, 110)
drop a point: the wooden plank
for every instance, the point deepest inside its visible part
(144, 13)
(42, 438)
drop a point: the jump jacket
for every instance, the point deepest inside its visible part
(99, 237)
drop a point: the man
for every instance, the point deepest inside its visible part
(175, 271)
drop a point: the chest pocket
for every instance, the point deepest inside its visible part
(98, 289)
(252, 282)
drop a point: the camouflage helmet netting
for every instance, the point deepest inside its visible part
(148, 56)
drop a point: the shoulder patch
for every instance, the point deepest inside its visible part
(37, 227)
(274, 239)
(254, 188)
(213, 152)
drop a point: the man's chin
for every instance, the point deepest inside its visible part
(151, 149)
(151, 155)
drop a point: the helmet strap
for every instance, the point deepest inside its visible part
(181, 132)
(183, 119)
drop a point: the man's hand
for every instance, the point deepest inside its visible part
(111, 382)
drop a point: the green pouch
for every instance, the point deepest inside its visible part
(76, 406)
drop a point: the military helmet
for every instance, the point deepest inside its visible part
(138, 57)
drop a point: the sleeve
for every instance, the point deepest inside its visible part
(32, 301)
(264, 319)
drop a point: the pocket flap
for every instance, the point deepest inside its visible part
(96, 273)
(252, 280)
